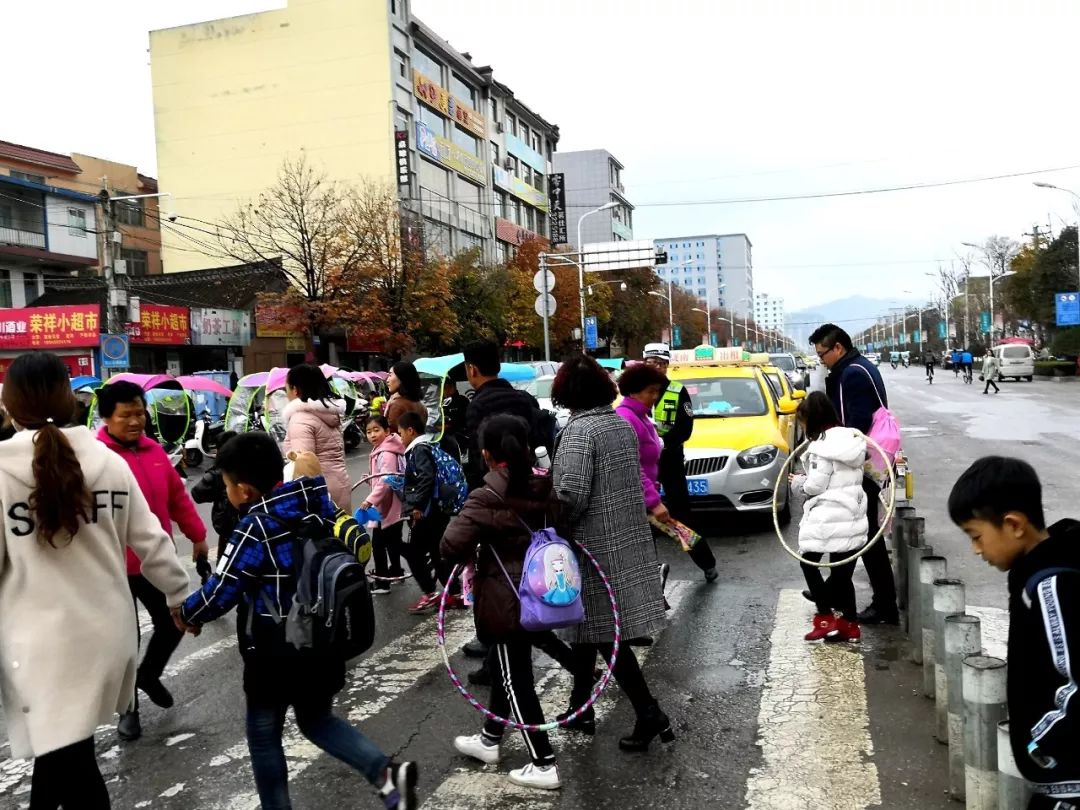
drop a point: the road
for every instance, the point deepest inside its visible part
(763, 719)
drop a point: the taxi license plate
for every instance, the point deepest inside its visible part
(697, 486)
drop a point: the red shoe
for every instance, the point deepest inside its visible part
(425, 604)
(455, 601)
(824, 623)
(846, 631)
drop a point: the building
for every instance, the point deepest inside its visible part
(592, 178)
(769, 311)
(717, 268)
(235, 98)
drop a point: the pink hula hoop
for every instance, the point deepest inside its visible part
(440, 638)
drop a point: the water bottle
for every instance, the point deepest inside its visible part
(543, 461)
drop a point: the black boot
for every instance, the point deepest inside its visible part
(586, 723)
(650, 723)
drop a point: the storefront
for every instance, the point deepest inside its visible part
(71, 332)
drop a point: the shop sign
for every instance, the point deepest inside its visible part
(500, 177)
(517, 147)
(523, 191)
(220, 327)
(432, 94)
(50, 327)
(557, 214)
(78, 365)
(160, 325)
(273, 321)
(449, 153)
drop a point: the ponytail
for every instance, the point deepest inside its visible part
(506, 438)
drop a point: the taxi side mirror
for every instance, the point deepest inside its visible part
(788, 406)
(798, 393)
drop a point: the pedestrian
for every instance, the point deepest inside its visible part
(406, 394)
(454, 405)
(122, 408)
(673, 415)
(856, 390)
(72, 512)
(427, 522)
(834, 515)
(991, 367)
(210, 488)
(998, 503)
(387, 459)
(966, 361)
(313, 420)
(598, 483)
(498, 518)
(258, 575)
(930, 361)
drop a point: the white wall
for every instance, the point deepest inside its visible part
(70, 243)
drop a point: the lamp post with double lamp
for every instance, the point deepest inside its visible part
(622, 286)
(993, 277)
(1076, 208)
(669, 297)
(708, 313)
(581, 264)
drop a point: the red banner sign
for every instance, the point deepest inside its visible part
(50, 327)
(161, 326)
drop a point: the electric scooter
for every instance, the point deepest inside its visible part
(204, 442)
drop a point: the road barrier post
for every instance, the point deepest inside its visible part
(921, 603)
(984, 708)
(948, 599)
(963, 637)
(901, 531)
(1013, 790)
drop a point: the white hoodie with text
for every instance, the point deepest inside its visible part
(834, 515)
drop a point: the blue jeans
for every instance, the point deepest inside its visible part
(316, 722)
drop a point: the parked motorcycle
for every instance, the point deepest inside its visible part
(204, 442)
(356, 426)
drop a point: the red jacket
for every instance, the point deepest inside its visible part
(163, 488)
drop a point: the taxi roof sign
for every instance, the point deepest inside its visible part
(709, 356)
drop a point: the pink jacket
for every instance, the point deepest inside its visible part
(649, 447)
(388, 457)
(316, 426)
(163, 488)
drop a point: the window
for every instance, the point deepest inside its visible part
(462, 90)
(530, 218)
(514, 166)
(500, 205)
(541, 223)
(435, 122)
(511, 123)
(402, 63)
(538, 142)
(129, 212)
(427, 64)
(524, 133)
(30, 287)
(500, 253)
(5, 289)
(613, 173)
(494, 110)
(466, 141)
(7, 215)
(515, 212)
(76, 222)
(538, 181)
(495, 153)
(29, 178)
(136, 261)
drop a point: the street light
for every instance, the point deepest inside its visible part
(708, 321)
(1076, 208)
(671, 314)
(993, 278)
(581, 264)
(622, 285)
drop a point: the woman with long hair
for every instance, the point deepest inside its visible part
(406, 394)
(67, 622)
(313, 420)
(597, 469)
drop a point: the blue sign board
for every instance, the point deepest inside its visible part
(1067, 305)
(735, 342)
(713, 340)
(984, 322)
(115, 351)
(676, 338)
(941, 329)
(916, 336)
(590, 332)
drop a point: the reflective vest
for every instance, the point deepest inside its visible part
(667, 408)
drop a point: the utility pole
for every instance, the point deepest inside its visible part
(113, 281)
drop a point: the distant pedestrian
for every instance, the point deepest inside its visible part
(72, 511)
(991, 367)
(406, 394)
(313, 420)
(856, 390)
(929, 361)
(387, 459)
(966, 362)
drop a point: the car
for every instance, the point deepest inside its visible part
(739, 444)
(874, 358)
(781, 387)
(790, 366)
(1015, 360)
(541, 389)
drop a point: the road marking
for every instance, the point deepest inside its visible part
(813, 723)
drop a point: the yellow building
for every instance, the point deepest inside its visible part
(234, 98)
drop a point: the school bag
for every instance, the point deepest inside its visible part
(332, 612)
(550, 587)
(884, 429)
(450, 487)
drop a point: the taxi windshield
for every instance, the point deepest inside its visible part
(726, 396)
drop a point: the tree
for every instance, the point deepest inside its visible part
(636, 317)
(478, 298)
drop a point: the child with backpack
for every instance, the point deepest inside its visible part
(434, 491)
(262, 574)
(998, 503)
(387, 458)
(834, 516)
(500, 518)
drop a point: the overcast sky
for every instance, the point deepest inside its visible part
(724, 101)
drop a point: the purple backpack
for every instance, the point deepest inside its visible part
(550, 588)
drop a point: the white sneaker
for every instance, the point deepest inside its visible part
(476, 748)
(536, 777)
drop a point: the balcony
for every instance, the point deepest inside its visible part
(20, 238)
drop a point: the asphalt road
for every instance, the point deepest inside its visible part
(763, 719)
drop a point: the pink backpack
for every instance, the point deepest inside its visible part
(884, 429)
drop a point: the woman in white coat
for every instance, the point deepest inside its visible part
(834, 515)
(69, 507)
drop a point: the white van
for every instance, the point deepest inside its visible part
(1015, 360)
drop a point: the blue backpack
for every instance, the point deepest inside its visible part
(450, 487)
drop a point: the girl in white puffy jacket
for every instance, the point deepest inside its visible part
(834, 515)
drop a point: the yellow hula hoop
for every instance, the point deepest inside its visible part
(782, 478)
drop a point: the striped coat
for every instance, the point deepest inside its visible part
(597, 479)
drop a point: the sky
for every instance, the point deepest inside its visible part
(703, 102)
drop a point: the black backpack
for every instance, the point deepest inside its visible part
(332, 613)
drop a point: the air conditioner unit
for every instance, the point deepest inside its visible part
(500, 127)
(508, 163)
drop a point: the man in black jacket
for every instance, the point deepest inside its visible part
(857, 391)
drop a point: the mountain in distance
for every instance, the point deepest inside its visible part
(853, 314)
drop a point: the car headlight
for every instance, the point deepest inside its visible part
(760, 456)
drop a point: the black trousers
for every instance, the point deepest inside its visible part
(990, 381)
(876, 560)
(677, 500)
(423, 551)
(835, 593)
(627, 673)
(68, 778)
(513, 691)
(165, 638)
(386, 549)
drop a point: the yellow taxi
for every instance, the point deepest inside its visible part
(781, 387)
(743, 433)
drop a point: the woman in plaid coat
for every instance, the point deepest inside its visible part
(599, 484)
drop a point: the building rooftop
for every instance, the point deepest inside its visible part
(38, 157)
